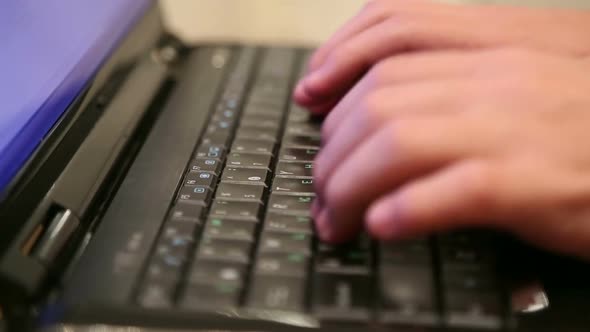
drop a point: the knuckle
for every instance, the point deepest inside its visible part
(372, 110)
(399, 137)
(336, 194)
(480, 179)
(380, 74)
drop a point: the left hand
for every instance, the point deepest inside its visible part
(434, 141)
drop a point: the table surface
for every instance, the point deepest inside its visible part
(293, 22)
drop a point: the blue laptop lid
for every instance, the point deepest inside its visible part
(48, 52)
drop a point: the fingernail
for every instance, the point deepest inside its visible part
(299, 93)
(312, 80)
(383, 221)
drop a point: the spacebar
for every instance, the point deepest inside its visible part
(114, 257)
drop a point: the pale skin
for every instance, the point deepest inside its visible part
(444, 136)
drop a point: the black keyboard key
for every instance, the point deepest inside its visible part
(466, 256)
(246, 175)
(236, 210)
(282, 264)
(285, 243)
(345, 259)
(195, 195)
(298, 114)
(298, 154)
(469, 279)
(175, 228)
(227, 113)
(298, 205)
(283, 223)
(277, 293)
(215, 135)
(229, 229)
(407, 252)
(278, 63)
(158, 270)
(264, 134)
(171, 261)
(224, 251)
(254, 124)
(254, 160)
(407, 295)
(264, 97)
(261, 121)
(285, 168)
(312, 129)
(265, 106)
(239, 191)
(217, 138)
(206, 165)
(473, 309)
(467, 238)
(302, 141)
(249, 128)
(157, 294)
(342, 297)
(173, 250)
(210, 151)
(187, 212)
(220, 124)
(253, 146)
(210, 297)
(293, 185)
(200, 179)
(213, 273)
(223, 116)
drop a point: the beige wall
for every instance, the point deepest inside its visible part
(274, 21)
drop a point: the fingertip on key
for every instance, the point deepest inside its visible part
(323, 227)
(316, 208)
(301, 96)
(383, 222)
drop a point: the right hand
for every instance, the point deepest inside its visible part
(387, 27)
(439, 141)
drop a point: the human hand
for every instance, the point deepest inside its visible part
(387, 27)
(430, 142)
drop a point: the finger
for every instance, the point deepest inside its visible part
(411, 69)
(376, 12)
(463, 195)
(353, 57)
(323, 108)
(348, 103)
(401, 151)
(379, 109)
(372, 13)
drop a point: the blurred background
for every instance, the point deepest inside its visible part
(301, 22)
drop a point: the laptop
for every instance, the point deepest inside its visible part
(149, 185)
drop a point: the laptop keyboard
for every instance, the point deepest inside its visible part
(240, 234)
